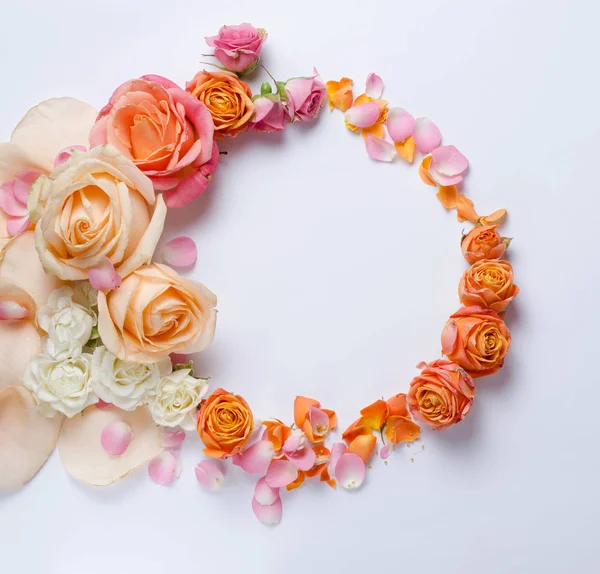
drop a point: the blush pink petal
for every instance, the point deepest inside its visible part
(337, 450)
(172, 438)
(103, 405)
(297, 90)
(292, 444)
(164, 82)
(426, 134)
(447, 165)
(350, 470)
(115, 438)
(23, 182)
(209, 475)
(374, 87)
(280, 473)
(256, 458)
(303, 459)
(17, 225)
(319, 421)
(164, 468)
(385, 451)
(400, 124)
(180, 252)
(271, 514)
(362, 115)
(264, 494)
(12, 311)
(9, 202)
(103, 277)
(379, 149)
(64, 154)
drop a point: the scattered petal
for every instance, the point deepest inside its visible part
(424, 172)
(401, 429)
(363, 445)
(264, 494)
(448, 196)
(362, 115)
(465, 210)
(298, 482)
(103, 277)
(447, 165)
(103, 405)
(374, 87)
(498, 217)
(406, 150)
(303, 459)
(340, 94)
(337, 450)
(280, 473)
(115, 438)
(209, 475)
(301, 406)
(17, 225)
(19, 342)
(12, 311)
(319, 422)
(379, 149)
(295, 441)
(385, 451)
(256, 458)
(172, 438)
(426, 134)
(164, 468)
(400, 124)
(269, 515)
(180, 252)
(350, 470)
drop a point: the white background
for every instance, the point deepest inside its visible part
(335, 276)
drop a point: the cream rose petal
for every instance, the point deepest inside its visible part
(27, 438)
(14, 159)
(51, 126)
(19, 342)
(85, 459)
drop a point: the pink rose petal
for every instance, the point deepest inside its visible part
(400, 124)
(209, 475)
(172, 438)
(303, 459)
(447, 165)
(426, 134)
(280, 473)
(337, 450)
(103, 277)
(374, 86)
(180, 252)
(103, 405)
(22, 184)
(379, 149)
(296, 441)
(115, 438)
(264, 494)
(319, 421)
(256, 458)
(269, 515)
(164, 468)
(350, 470)
(385, 451)
(9, 202)
(362, 115)
(12, 311)
(64, 154)
(17, 225)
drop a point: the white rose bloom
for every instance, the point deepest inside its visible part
(68, 324)
(123, 383)
(175, 399)
(62, 386)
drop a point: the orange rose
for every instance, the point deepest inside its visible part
(441, 395)
(483, 242)
(225, 423)
(477, 340)
(488, 283)
(228, 99)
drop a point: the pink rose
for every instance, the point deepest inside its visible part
(305, 97)
(165, 132)
(269, 115)
(238, 47)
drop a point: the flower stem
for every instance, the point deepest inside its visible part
(214, 66)
(270, 75)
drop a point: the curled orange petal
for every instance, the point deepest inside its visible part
(397, 405)
(375, 415)
(332, 418)
(323, 454)
(401, 429)
(424, 171)
(340, 94)
(362, 99)
(465, 211)
(406, 149)
(326, 478)
(355, 429)
(298, 482)
(301, 406)
(376, 130)
(277, 432)
(496, 218)
(363, 446)
(448, 196)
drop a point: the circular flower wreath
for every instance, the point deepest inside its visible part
(95, 334)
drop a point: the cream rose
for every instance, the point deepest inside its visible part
(154, 313)
(97, 204)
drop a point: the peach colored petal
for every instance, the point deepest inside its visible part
(301, 406)
(377, 130)
(401, 429)
(375, 415)
(397, 405)
(424, 172)
(356, 428)
(448, 196)
(465, 210)
(298, 482)
(14, 159)
(363, 446)
(498, 217)
(19, 342)
(27, 438)
(406, 149)
(15, 295)
(340, 94)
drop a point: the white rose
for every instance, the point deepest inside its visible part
(175, 399)
(123, 383)
(62, 386)
(68, 324)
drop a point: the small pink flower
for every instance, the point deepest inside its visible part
(305, 97)
(269, 115)
(238, 47)
(13, 201)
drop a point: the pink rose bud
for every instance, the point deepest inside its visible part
(269, 114)
(305, 97)
(238, 47)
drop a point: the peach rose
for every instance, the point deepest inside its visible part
(483, 242)
(154, 313)
(488, 283)
(227, 98)
(477, 340)
(96, 205)
(441, 395)
(165, 131)
(224, 425)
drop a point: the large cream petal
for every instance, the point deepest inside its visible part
(52, 126)
(19, 342)
(27, 438)
(14, 159)
(84, 457)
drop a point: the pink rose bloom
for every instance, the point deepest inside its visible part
(165, 132)
(238, 47)
(305, 97)
(269, 115)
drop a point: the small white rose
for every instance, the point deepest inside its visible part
(175, 399)
(60, 386)
(123, 383)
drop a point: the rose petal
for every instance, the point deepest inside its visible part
(115, 438)
(172, 438)
(337, 450)
(19, 342)
(12, 311)
(103, 277)
(350, 470)
(406, 150)
(164, 468)
(374, 88)
(293, 443)
(426, 134)
(448, 196)
(64, 154)
(209, 475)
(424, 172)
(319, 421)
(256, 458)
(363, 445)
(447, 160)
(264, 494)
(269, 515)
(465, 210)
(103, 405)
(498, 217)
(17, 225)
(385, 451)
(180, 252)
(362, 115)
(400, 124)
(303, 459)
(280, 473)
(379, 149)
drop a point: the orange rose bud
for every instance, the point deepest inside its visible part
(228, 99)
(477, 340)
(488, 283)
(441, 395)
(224, 425)
(483, 242)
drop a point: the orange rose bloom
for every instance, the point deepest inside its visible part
(228, 99)
(441, 395)
(477, 340)
(488, 283)
(483, 242)
(225, 423)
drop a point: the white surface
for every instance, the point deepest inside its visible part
(335, 276)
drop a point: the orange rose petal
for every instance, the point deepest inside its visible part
(363, 446)
(406, 150)
(362, 99)
(332, 418)
(326, 478)
(298, 482)
(448, 196)
(301, 406)
(424, 172)
(397, 406)
(340, 94)
(315, 470)
(465, 211)
(277, 432)
(375, 415)
(376, 130)
(308, 431)
(355, 429)
(401, 429)
(496, 218)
